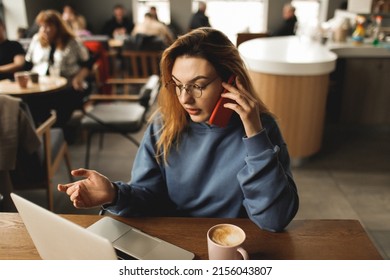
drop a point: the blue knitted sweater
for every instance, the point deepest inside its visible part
(214, 172)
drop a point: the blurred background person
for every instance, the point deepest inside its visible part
(153, 12)
(11, 55)
(199, 19)
(119, 25)
(54, 50)
(288, 26)
(77, 22)
(151, 27)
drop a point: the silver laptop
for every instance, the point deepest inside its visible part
(60, 239)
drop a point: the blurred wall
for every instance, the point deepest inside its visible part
(14, 16)
(181, 12)
(33, 7)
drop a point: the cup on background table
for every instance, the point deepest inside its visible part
(224, 242)
(34, 77)
(22, 78)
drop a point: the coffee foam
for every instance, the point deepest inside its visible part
(226, 236)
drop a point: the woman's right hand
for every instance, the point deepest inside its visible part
(93, 191)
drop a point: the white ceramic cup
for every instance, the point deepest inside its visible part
(224, 242)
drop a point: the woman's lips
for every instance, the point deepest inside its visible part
(193, 111)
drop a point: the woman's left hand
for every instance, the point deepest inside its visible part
(246, 106)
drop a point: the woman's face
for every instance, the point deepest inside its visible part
(201, 73)
(48, 31)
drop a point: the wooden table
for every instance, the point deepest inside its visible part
(47, 84)
(302, 240)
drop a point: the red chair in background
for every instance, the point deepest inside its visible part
(101, 66)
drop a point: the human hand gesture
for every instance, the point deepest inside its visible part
(95, 190)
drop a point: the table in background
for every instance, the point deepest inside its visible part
(47, 84)
(303, 239)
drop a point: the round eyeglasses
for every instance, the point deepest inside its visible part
(193, 90)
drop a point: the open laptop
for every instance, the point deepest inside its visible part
(58, 238)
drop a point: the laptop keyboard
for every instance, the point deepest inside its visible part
(123, 256)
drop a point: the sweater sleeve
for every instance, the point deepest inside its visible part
(270, 194)
(146, 194)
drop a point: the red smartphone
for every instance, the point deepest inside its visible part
(221, 115)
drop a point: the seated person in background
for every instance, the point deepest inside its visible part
(186, 166)
(199, 19)
(152, 27)
(11, 55)
(288, 27)
(77, 22)
(119, 25)
(54, 50)
(153, 12)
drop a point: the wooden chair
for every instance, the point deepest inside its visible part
(137, 66)
(124, 114)
(242, 37)
(37, 170)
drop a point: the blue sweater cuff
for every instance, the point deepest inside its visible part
(258, 143)
(115, 206)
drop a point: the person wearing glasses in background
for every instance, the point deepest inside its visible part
(188, 167)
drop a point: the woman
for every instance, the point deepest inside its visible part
(76, 22)
(54, 50)
(187, 167)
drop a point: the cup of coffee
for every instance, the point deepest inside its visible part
(34, 77)
(22, 78)
(224, 242)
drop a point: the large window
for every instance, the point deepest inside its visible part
(234, 16)
(308, 15)
(162, 7)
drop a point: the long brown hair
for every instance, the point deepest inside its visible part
(215, 47)
(64, 33)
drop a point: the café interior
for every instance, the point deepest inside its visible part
(346, 173)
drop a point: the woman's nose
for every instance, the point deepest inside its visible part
(185, 97)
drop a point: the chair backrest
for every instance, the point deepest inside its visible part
(242, 37)
(30, 167)
(149, 91)
(141, 64)
(38, 150)
(34, 168)
(17, 134)
(143, 42)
